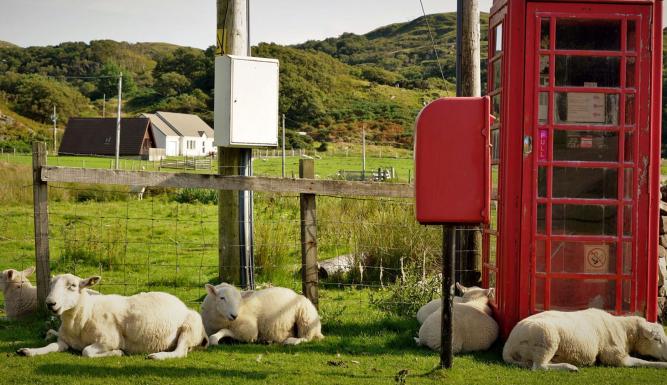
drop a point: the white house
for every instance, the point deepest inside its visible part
(181, 134)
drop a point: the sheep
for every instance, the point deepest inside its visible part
(474, 328)
(435, 304)
(556, 340)
(20, 295)
(274, 314)
(112, 325)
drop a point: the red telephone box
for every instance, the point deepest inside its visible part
(575, 90)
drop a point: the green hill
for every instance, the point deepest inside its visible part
(404, 49)
(330, 97)
(330, 88)
(6, 44)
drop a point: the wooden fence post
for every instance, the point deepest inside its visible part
(40, 199)
(308, 235)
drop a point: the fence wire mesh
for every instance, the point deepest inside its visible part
(371, 251)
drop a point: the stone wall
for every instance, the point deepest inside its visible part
(662, 257)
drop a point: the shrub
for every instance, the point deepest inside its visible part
(405, 297)
(196, 195)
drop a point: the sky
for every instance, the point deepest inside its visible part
(192, 22)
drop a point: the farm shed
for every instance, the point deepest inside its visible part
(97, 136)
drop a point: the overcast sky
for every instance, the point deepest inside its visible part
(192, 22)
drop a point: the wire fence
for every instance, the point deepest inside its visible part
(168, 241)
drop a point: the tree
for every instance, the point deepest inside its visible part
(36, 95)
(172, 84)
(108, 81)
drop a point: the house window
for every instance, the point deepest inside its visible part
(191, 144)
(203, 147)
(107, 140)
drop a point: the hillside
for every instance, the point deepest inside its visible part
(332, 97)
(17, 131)
(330, 88)
(404, 48)
(6, 44)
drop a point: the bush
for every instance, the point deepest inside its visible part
(405, 297)
(322, 147)
(195, 195)
(103, 193)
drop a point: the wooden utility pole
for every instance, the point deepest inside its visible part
(468, 57)
(120, 103)
(468, 83)
(283, 156)
(363, 152)
(234, 207)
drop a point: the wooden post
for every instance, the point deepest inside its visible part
(469, 238)
(308, 235)
(40, 199)
(232, 39)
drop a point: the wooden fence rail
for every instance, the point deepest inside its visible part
(52, 174)
(307, 187)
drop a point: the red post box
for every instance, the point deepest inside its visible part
(452, 178)
(575, 88)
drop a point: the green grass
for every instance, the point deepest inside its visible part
(159, 244)
(339, 157)
(362, 345)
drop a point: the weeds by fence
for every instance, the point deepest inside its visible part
(168, 241)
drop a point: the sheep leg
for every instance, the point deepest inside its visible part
(186, 337)
(97, 350)
(59, 346)
(294, 341)
(215, 338)
(181, 351)
(638, 362)
(51, 334)
(561, 367)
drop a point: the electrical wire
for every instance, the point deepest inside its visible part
(435, 50)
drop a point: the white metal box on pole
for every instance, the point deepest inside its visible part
(246, 101)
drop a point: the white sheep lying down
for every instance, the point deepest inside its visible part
(111, 325)
(435, 304)
(564, 340)
(274, 314)
(474, 328)
(20, 295)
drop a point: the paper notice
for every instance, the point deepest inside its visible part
(585, 107)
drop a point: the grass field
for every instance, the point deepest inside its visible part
(339, 157)
(159, 244)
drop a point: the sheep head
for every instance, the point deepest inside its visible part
(652, 340)
(66, 291)
(475, 293)
(15, 278)
(227, 299)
